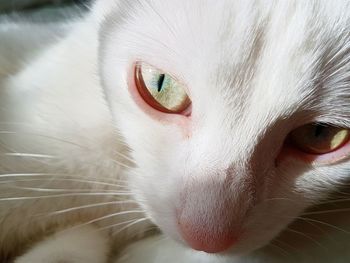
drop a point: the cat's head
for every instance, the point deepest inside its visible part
(265, 133)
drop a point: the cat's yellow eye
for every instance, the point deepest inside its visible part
(318, 138)
(160, 90)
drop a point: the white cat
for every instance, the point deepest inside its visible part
(218, 121)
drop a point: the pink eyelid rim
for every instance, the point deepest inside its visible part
(179, 119)
(336, 156)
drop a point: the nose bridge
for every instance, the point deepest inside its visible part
(222, 166)
(217, 149)
(219, 188)
(224, 191)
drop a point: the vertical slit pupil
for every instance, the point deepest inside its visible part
(319, 130)
(160, 82)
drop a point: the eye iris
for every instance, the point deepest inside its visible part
(160, 90)
(319, 138)
(339, 138)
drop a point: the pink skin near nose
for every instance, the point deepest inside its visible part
(208, 225)
(202, 239)
(208, 217)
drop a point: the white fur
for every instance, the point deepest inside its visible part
(78, 245)
(255, 70)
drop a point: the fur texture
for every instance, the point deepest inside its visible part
(73, 135)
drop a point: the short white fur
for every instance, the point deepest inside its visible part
(255, 70)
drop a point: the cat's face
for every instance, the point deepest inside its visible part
(226, 174)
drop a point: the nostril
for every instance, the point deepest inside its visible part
(207, 239)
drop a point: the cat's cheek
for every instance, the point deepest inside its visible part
(339, 155)
(181, 121)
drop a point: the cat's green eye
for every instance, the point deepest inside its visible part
(318, 138)
(160, 90)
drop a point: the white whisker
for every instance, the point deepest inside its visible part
(306, 236)
(108, 216)
(118, 186)
(54, 176)
(47, 156)
(115, 225)
(324, 223)
(131, 224)
(30, 155)
(64, 141)
(327, 211)
(25, 198)
(53, 190)
(279, 249)
(44, 136)
(7, 132)
(85, 207)
(122, 164)
(25, 174)
(335, 201)
(287, 245)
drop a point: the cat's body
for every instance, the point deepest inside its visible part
(256, 65)
(79, 161)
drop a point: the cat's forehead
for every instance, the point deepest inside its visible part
(272, 54)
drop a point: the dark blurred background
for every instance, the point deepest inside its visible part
(14, 5)
(43, 10)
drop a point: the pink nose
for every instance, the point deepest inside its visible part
(210, 215)
(204, 239)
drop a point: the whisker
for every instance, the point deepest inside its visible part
(62, 180)
(122, 164)
(28, 125)
(25, 174)
(7, 132)
(47, 156)
(124, 156)
(324, 223)
(144, 232)
(311, 221)
(64, 195)
(106, 217)
(130, 225)
(327, 211)
(288, 246)
(55, 175)
(30, 155)
(279, 199)
(306, 236)
(65, 141)
(283, 252)
(335, 201)
(84, 207)
(115, 225)
(53, 190)
(44, 136)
